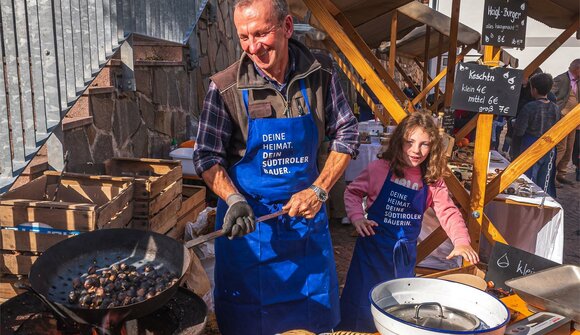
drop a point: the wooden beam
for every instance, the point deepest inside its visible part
(352, 77)
(359, 43)
(426, 247)
(439, 76)
(356, 58)
(536, 151)
(452, 53)
(549, 50)
(393, 47)
(426, 58)
(467, 128)
(489, 230)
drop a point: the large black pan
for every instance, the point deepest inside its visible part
(52, 274)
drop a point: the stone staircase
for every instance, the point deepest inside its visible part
(58, 57)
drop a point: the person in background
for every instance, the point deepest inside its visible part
(525, 96)
(536, 118)
(398, 189)
(567, 96)
(260, 131)
(498, 123)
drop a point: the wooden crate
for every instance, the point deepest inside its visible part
(193, 202)
(83, 203)
(158, 188)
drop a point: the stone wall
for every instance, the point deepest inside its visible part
(171, 82)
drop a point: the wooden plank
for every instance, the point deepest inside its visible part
(7, 289)
(541, 147)
(467, 128)
(137, 166)
(474, 269)
(489, 230)
(166, 219)
(69, 219)
(107, 211)
(426, 57)
(426, 247)
(549, 50)
(178, 231)
(48, 204)
(152, 207)
(438, 68)
(452, 53)
(16, 264)
(70, 178)
(34, 189)
(192, 197)
(122, 219)
(393, 48)
(28, 241)
(353, 54)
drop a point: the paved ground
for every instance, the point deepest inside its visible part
(569, 198)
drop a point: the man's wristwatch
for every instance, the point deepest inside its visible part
(320, 193)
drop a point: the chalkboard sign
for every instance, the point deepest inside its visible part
(448, 121)
(482, 89)
(504, 23)
(507, 262)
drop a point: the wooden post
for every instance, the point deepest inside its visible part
(549, 50)
(425, 63)
(440, 47)
(393, 48)
(480, 162)
(451, 55)
(356, 58)
(537, 150)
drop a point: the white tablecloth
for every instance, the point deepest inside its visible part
(366, 154)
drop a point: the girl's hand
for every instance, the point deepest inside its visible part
(364, 227)
(465, 251)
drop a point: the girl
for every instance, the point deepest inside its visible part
(398, 190)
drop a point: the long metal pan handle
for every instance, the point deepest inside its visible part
(50, 305)
(220, 232)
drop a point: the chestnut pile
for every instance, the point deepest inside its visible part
(119, 285)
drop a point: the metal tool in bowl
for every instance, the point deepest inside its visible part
(555, 290)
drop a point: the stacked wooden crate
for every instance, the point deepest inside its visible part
(193, 202)
(66, 204)
(157, 194)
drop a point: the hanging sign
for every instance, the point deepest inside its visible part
(481, 89)
(504, 23)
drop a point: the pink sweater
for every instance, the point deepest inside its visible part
(370, 182)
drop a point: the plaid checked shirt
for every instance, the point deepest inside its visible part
(215, 125)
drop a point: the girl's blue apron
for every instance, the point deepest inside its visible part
(390, 253)
(282, 276)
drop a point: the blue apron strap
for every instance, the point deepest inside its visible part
(245, 97)
(303, 89)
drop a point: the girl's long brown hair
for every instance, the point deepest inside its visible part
(433, 167)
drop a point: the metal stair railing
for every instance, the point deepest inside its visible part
(52, 49)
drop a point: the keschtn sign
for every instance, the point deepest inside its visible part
(504, 23)
(482, 89)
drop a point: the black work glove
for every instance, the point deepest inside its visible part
(239, 219)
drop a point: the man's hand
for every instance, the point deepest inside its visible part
(364, 227)
(304, 203)
(239, 219)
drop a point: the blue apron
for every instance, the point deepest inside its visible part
(282, 276)
(390, 253)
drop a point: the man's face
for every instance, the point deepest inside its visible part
(261, 36)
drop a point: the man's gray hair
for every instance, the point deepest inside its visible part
(280, 7)
(575, 64)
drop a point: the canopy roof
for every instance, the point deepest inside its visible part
(554, 13)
